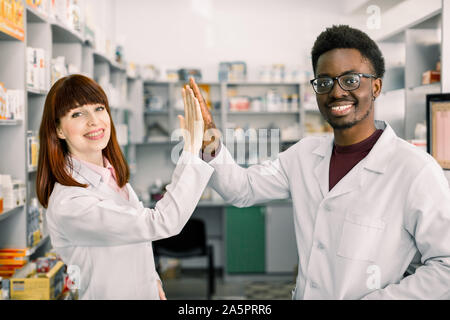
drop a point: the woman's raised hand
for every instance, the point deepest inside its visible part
(192, 122)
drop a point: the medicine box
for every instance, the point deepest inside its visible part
(39, 287)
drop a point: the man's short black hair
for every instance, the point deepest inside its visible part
(345, 37)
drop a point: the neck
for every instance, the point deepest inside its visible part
(94, 158)
(353, 135)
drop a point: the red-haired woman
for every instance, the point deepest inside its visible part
(95, 220)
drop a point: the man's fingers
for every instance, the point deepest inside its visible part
(196, 90)
(203, 107)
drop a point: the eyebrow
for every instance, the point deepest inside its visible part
(345, 72)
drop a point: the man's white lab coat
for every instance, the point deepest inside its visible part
(357, 240)
(109, 239)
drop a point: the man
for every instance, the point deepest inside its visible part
(365, 202)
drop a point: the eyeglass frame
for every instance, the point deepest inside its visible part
(364, 75)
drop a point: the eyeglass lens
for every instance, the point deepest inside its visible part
(346, 81)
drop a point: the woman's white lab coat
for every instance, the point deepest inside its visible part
(356, 240)
(109, 239)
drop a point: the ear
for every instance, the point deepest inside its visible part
(60, 133)
(376, 87)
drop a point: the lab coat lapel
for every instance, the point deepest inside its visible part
(376, 161)
(322, 169)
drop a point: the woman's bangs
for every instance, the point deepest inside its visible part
(73, 95)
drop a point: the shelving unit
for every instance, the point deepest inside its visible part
(57, 40)
(409, 52)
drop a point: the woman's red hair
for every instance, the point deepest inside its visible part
(66, 94)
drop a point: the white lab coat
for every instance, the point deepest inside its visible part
(110, 239)
(357, 240)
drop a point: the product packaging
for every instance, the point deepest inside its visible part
(7, 191)
(48, 286)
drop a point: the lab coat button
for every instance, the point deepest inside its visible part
(327, 207)
(320, 246)
(313, 285)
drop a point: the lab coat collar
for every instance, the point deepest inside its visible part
(95, 179)
(379, 157)
(89, 175)
(377, 160)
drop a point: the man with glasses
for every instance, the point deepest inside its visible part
(366, 203)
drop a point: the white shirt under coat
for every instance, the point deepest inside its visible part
(357, 240)
(110, 238)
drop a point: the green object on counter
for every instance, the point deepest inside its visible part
(245, 240)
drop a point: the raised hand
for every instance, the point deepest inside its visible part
(192, 122)
(211, 139)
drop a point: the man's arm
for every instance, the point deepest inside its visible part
(238, 186)
(243, 187)
(428, 221)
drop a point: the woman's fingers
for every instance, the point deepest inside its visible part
(182, 122)
(198, 111)
(186, 105)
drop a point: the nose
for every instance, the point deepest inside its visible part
(337, 92)
(92, 119)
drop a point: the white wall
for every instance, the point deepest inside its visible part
(201, 33)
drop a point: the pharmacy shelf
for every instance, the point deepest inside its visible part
(261, 83)
(33, 250)
(7, 36)
(7, 213)
(156, 113)
(35, 16)
(8, 33)
(63, 34)
(100, 57)
(262, 113)
(37, 92)
(10, 122)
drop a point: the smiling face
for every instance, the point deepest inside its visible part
(86, 130)
(347, 109)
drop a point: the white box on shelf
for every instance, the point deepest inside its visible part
(41, 63)
(32, 69)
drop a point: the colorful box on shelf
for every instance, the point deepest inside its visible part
(12, 104)
(11, 18)
(12, 260)
(431, 76)
(36, 69)
(47, 286)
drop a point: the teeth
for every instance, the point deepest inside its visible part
(340, 108)
(95, 134)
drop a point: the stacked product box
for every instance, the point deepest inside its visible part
(34, 223)
(36, 69)
(32, 150)
(11, 18)
(12, 260)
(11, 103)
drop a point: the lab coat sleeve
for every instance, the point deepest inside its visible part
(87, 220)
(428, 221)
(243, 187)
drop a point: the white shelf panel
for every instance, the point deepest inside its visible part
(261, 83)
(100, 57)
(7, 213)
(37, 92)
(34, 16)
(32, 250)
(10, 122)
(63, 34)
(156, 113)
(7, 37)
(262, 113)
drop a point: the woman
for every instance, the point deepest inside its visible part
(95, 220)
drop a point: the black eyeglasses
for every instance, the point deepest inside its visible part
(348, 82)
